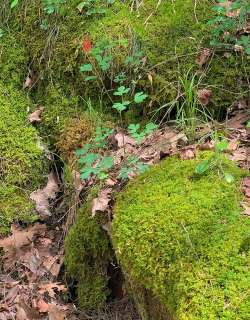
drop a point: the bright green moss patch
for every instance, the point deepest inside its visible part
(183, 238)
(87, 254)
(21, 163)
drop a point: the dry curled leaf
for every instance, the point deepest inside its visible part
(102, 202)
(36, 115)
(246, 187)
(204, 96)
(188, 153)
(123, 139)
(55, 313)
(50, 288)
(17, 245)
(42, 306)
(239, 155)
(42, 196)
(203, 56)
(246, 208)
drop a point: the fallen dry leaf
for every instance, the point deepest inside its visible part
(36, 115)
(204, 96)
(246, 208)
(246, 187)
(102, 202)
(55, 313)
(51, 288)
(239, 120)
(203, 57)
(31, 313)
(233, 145)
(53, 263)
(42, 306)
(18, 243)
(208, 145)
(188, 152)
(28, 82)
(123, 139)
(42, 196)
(239, 155)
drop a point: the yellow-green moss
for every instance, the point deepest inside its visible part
(87, 254)
(22, 164)
(183, 237)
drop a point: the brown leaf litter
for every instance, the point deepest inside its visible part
(31, 262)
(43, 196)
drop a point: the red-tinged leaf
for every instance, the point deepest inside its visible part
(86, 45)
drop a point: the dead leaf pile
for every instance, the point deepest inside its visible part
(31, 262)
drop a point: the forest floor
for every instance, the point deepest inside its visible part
(33, 284)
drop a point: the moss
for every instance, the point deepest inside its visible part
(87, 254)
(170, 38)
(22, 162)
(182, 237)
(168, 34)
(75, 134)
(60, 109)
(13, 60)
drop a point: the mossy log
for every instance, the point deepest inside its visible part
(182, 241)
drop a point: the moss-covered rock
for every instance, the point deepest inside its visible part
(22, 164)
(87, 255)
(183, 238)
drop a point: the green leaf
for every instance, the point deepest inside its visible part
(89, 159)
(82, 151)
(202, 167)
(221, 146)
(14, 3)
(150, 127)
(121, 91)
(90, 78)
(228, 177)
(121, 106)
(248, 124)
(106, 163)
(124, 172)
(86, 173)
(140, 97)
(86, 67)
(133, 128)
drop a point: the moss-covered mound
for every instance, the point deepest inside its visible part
(168, 34)
(21, 163)
(87, 255)
(183, 238)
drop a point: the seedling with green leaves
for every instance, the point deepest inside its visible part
(93, 162)
(99, 68)
(94, 7)
(53, 6)
(133, 165)
(134, 131)
(230, 18)
(215, 162)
